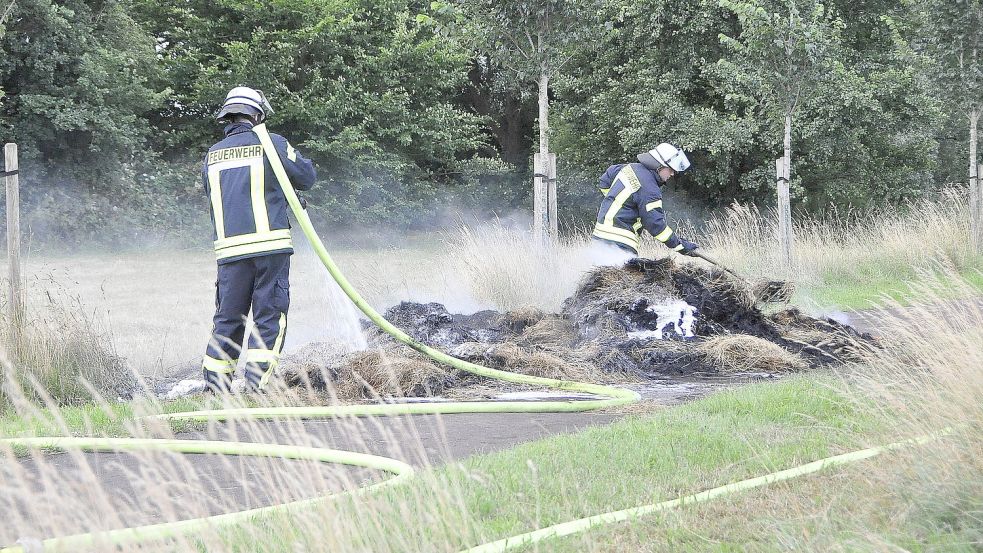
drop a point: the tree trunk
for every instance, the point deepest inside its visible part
(511, 123)
(785, 237)
(975, 194)
(15, 298)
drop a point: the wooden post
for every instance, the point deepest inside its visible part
(540, 200)
(975, 197)
(785, 237)
(976, 209)
(14, 298)
(551, 196)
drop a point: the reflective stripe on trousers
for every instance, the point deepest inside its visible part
(261, 283)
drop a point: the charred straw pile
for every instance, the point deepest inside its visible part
(647, 317)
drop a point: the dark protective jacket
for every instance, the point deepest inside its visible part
(632, 202)
(248, 208)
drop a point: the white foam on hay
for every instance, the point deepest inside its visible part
(185, 388)
(675, 313)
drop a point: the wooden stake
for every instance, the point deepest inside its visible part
(976, 209)
(785, 237)
(14, 298)
(540, 200)
(551, 196)
(975, 197)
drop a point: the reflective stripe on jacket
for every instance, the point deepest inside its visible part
(249, 211)
(632, 201)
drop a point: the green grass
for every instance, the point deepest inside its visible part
(729, 436)
(865, 287)
(642, 459)
(108, 420)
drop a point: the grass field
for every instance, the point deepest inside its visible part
(154, 309)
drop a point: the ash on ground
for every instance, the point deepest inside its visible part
(647, 319)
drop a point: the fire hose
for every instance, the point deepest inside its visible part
(400, 471)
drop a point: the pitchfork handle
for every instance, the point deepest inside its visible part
(708, 259)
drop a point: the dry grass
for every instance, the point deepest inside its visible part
(908, 236)
(62, 355)
(379, 373)
(743, 353)
(926, 379)
(537, 361)
(500, 265)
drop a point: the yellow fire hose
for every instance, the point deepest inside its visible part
(400, 471)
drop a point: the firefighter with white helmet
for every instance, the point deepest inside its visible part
(252, 241)
(633, 201)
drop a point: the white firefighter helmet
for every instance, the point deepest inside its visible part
(665, 155)
(245, 101)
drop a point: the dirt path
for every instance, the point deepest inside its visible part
(148, 488)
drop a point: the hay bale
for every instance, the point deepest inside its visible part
(614, 290)
(517, 320)
(538, 361)
(396, 372)
(609, 358)
(826, 339)
(714, 293)
(744, 353)
(666, 357)
(551, 331)
(309, 366)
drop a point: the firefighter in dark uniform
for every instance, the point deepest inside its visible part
(633, 201)
(252, 242)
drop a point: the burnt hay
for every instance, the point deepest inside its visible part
(607, 329)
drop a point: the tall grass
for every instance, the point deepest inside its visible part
(891, 240)
(501, 266)
(60, 353)
(925, 380)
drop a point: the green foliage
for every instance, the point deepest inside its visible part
(408, 106)
(531, 38)
(77, 76)
(783, 53)
(952, 34)
(866, 120)
(366, 89)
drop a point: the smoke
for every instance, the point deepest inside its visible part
(603, 254)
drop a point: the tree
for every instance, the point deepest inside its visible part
(533, 39)
(367, 89)
(5, 15)
(784, 51)
(77, 75)
(954, 37)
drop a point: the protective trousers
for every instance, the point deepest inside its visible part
(264, 284)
